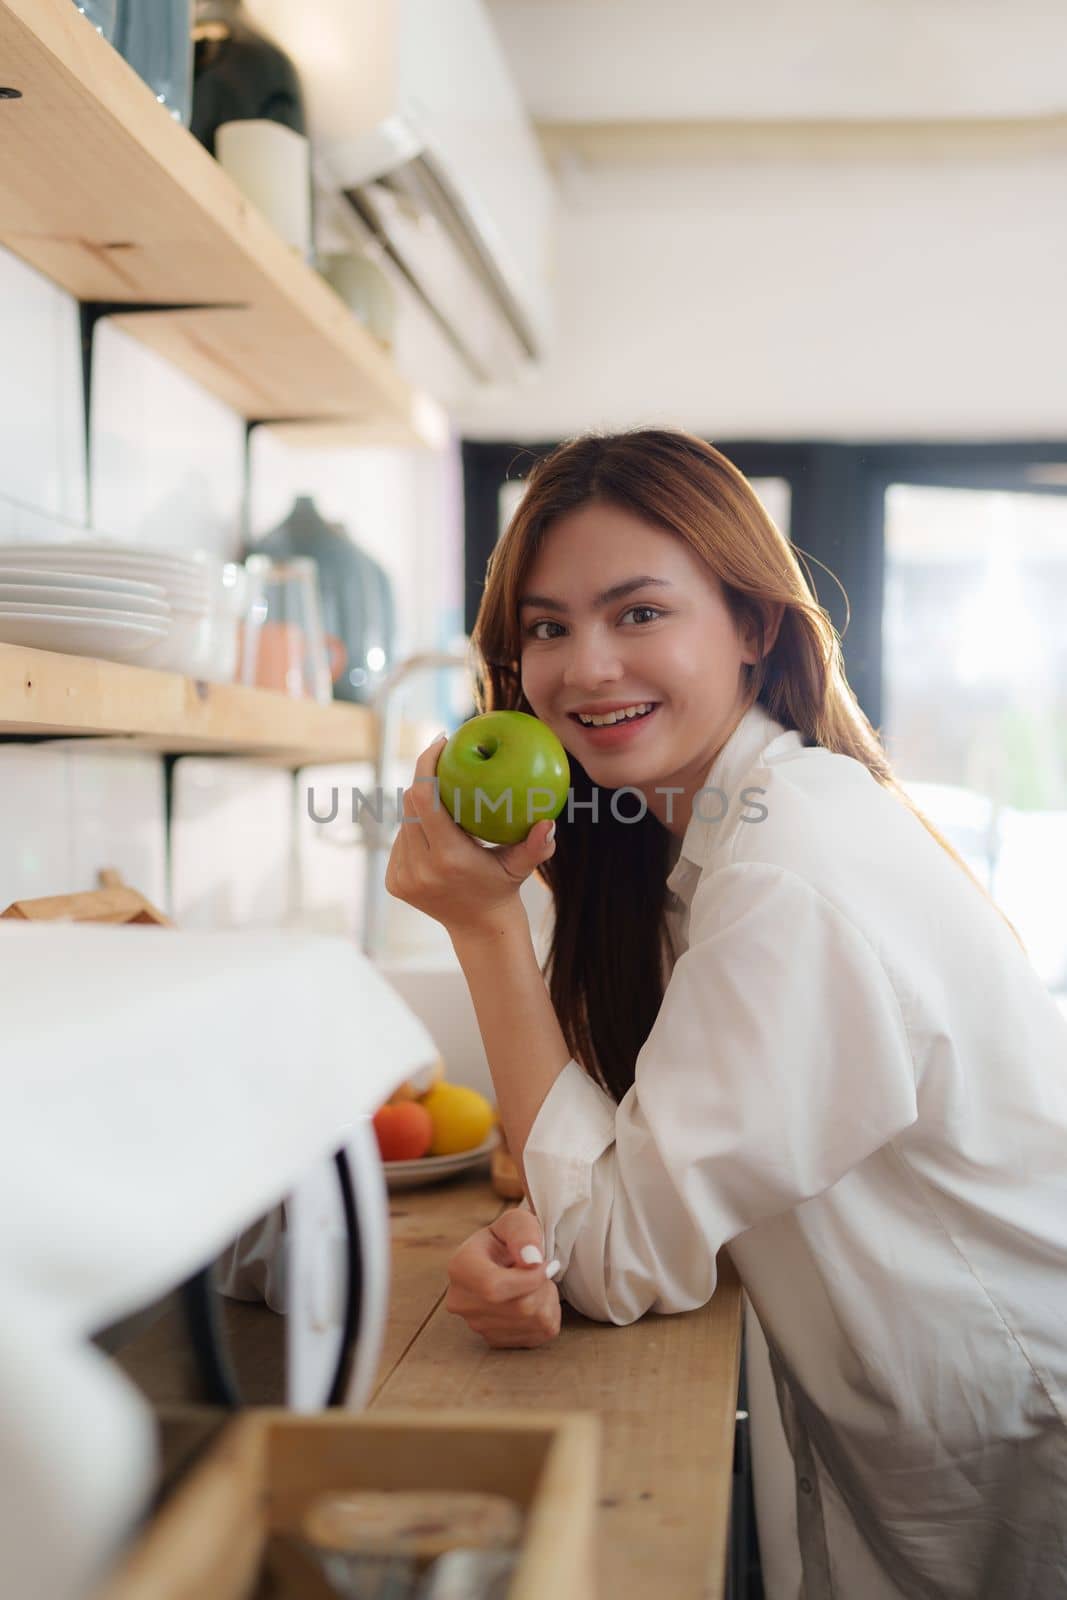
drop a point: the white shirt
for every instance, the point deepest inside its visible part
(857, 1081)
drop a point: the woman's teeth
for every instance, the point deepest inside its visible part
(615, 716)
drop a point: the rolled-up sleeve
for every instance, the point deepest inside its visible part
(778, 1061)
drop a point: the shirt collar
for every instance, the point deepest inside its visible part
(756, 730)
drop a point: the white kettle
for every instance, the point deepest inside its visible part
(321, 1259)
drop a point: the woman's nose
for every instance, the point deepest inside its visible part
(591, 659)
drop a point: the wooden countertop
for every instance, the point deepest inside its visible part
(664, 1388)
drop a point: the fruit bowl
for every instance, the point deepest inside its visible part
(435, 1169)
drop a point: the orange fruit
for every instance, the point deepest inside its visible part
(461, 1118)
(403, 1132)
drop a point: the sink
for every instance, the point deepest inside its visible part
(432, 983)
(433, 986)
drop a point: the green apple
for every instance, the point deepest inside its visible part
(502, 772)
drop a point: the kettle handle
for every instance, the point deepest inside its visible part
(366, 1203)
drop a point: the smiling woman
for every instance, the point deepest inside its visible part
(781, 1017)
(730, 623)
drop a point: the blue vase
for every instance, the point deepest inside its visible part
(156, 37)
(357, 596)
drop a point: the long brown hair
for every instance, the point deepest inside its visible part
(607, 965)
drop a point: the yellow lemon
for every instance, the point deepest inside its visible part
(461, 1118)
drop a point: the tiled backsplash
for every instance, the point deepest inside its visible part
(68, 812)
(118, 819)
(231, 844)
(42, 436)
(37, 849)
(330, 864)
(167, 469)
(166, 465)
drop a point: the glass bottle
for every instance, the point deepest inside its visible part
(102, 15)
(155, 37)
(239, 74)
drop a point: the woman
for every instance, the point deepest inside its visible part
(781, 1016)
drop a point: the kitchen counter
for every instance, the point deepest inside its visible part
(664, 1388)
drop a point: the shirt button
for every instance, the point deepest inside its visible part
(804, 1485)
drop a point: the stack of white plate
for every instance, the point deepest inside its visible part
(173, 610)
(51, 609)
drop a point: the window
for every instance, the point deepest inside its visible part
(975, 676)
(773, 492)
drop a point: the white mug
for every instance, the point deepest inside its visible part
(271, 164)
(365, 289)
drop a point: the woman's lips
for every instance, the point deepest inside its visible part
(616, 733)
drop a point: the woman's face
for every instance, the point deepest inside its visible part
(668, 641)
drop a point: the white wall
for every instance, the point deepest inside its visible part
(167, 470)
(847, 290)
(683, 59)
(845, 220)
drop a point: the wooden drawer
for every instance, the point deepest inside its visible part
(263, 1468)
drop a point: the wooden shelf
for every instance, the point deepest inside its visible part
(45, 694)
(105, 194)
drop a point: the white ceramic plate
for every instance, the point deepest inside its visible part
(22, 608)
(79, 633)
(138, 607)
(83, 552)
(431, 1169)
(54, 578)
(195, 601)
(186, 575)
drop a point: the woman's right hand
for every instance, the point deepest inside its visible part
(512, 1304)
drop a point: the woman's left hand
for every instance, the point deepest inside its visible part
(439, 869)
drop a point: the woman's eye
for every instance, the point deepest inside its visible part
(651, 613)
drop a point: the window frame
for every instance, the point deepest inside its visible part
(837, 494)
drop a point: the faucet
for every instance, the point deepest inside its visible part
(379, 836)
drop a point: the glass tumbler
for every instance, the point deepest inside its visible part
(283, 644)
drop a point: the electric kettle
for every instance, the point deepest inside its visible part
(316, 1271)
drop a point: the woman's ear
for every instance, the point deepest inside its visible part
(773, 612)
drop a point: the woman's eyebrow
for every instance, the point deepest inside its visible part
(616, 592)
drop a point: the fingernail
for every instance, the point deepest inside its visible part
(531, 1255)
(551, 1269)
(551, 834)
(441, 737)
